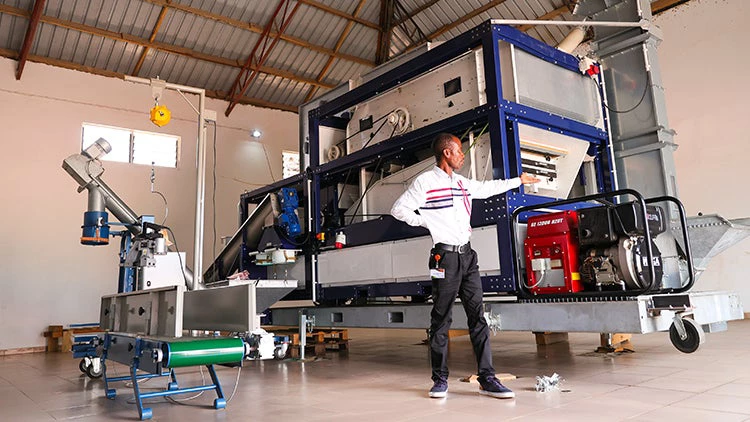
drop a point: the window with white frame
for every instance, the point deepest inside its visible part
(134, 146)
(289, 163)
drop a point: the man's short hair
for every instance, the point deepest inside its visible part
(441, 142)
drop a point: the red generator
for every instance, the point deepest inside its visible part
(551, 248)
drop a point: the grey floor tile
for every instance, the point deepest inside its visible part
(385, 376)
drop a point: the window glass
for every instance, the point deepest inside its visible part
(154, 148)
(119, 139)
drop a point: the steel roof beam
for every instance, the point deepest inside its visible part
(169, 48)
(416, 11)
(663, 5)
(249, 71)
(387, 10)
(339, 43)
(339, 13)
(417, 30)
(259, 30)
(141, 59)
(471, 15)
(28, 40)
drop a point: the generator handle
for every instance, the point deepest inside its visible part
(685, 238)
(594, 197)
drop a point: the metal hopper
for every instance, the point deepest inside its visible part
(712, 234)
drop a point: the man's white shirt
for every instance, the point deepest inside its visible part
(444, 203)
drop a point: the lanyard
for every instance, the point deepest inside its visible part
(467, 204)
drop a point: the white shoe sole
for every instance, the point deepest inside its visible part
(507, 395)
(438, 395)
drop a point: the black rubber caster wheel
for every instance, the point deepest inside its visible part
(694, 336)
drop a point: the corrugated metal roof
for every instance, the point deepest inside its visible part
(22, 4)
(317, 26)
(220, 30)
(302, 61)
(361, 41)
(343, 70)
(12, 31)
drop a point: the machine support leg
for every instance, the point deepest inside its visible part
(110, 392)
(615, 342)
(143, 413)
(220, 401)
(172, 385)
(302, 335)
(215, 379)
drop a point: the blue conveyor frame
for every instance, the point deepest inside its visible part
(134, 364)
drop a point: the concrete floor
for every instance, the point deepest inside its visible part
(385, 377)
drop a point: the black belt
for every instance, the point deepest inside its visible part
(465, 248)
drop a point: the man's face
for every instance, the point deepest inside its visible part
(454, 156)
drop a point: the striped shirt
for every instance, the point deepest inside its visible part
(444, 203)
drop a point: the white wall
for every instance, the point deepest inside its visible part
(704, 64)
(47, 277)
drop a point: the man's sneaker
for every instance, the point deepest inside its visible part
(491, 386)
(439, 389)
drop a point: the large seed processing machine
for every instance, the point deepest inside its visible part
(601, 245)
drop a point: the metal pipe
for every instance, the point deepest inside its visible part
(311, 234)
(302, 335)
(200, 196)
(145, 81)
(164, 393)
(643, 23)
(571, 41)
(96, 200)
(610, 143)
(140, 377)
(116, 205)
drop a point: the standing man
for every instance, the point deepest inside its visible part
(443, 198)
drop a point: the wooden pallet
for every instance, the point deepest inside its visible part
(60, 339)
(318, 341)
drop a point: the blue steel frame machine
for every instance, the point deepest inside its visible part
(623, 294)
(502, 118)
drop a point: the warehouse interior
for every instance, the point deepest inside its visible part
(239, 92)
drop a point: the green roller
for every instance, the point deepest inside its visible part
(203, 352)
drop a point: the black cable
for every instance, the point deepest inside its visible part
(367, 189)
(292, 241)
(213, 196)
(362, 130)
(182, 266)
(370, 183)
(643, 96)
(372, 136)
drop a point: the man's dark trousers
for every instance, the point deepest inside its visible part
(461, 279)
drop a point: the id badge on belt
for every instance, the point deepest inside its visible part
(437, 273)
